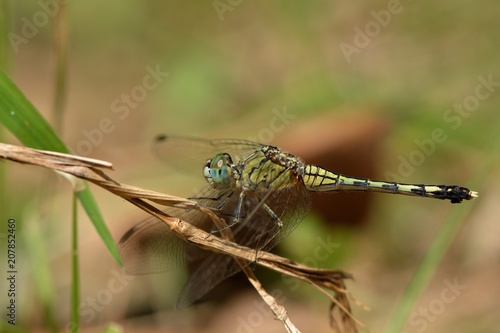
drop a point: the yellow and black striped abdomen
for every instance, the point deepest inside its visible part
(318, 179)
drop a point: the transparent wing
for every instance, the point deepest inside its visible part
(190, 154)
(258, 231)
(150, 247)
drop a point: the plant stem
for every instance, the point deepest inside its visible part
(75, 286)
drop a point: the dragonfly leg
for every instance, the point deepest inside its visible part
(226, 194)
(275, 230)
(236, 218)
(278, 224)
(221, 201)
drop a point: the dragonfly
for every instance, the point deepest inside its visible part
(261, 192)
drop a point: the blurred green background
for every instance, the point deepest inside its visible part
(375, 78)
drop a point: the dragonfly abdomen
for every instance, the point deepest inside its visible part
(321, 180)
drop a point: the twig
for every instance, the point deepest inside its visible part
(90, 170)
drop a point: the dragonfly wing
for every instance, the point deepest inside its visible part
(189, 154)
(257, 230)
(291, 205)
(150, 247)
(259, 217)
(212, 271)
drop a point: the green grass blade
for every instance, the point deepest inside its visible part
(442, 242)
(428, 267)
(94, 213)
(75, 286)
(26, 123)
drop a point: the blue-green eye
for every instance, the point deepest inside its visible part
(217, 171)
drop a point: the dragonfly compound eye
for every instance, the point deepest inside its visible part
(218, 170)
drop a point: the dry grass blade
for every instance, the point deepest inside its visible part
(329, 282)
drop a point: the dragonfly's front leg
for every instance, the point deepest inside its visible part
(220, 203)
(234, 219)
(217, 204)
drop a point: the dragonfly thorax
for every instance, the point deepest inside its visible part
(269, 169)
(218, 171)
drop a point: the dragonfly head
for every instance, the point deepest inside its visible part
(217, 170)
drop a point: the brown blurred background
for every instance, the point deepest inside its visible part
(355, 87)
